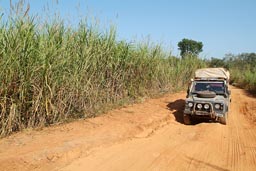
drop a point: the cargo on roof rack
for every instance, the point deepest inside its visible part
(212, 73)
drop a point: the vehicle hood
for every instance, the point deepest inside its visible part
(216, 99)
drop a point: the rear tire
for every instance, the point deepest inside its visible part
(187, 119)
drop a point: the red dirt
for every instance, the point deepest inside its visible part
(145, 136)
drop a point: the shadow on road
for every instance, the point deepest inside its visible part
(211, 166)
(178, 107)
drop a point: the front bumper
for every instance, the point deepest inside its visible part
(211, 113)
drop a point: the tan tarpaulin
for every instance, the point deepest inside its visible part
(212, 73)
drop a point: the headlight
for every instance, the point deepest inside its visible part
(206, 106)
(190, 104)
(217, 106)
(199, 106)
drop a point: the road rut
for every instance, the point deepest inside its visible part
(146, 136)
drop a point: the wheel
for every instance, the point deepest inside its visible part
(223, 120)
(187, 119)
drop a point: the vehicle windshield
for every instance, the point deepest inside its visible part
(217, 87)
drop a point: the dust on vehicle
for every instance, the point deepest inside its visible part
(208, 96)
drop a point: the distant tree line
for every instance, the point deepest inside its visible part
(242, 67)
(243, 61)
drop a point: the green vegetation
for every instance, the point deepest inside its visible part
(190, 47)
(242, 68)
(52, 73)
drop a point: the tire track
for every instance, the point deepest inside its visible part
(242, 134)
(146, 136)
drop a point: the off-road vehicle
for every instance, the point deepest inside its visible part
(208, 96)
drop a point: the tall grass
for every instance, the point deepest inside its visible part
(244, 78)
(51, 73)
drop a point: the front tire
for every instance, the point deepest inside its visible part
(187, 119)
(223, 120)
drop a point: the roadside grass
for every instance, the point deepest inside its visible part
(245, 78)
(52, 73)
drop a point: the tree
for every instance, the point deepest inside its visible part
(188, 46)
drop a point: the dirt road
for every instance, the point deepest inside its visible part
(145, 136)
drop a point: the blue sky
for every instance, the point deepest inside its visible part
(224, 26)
